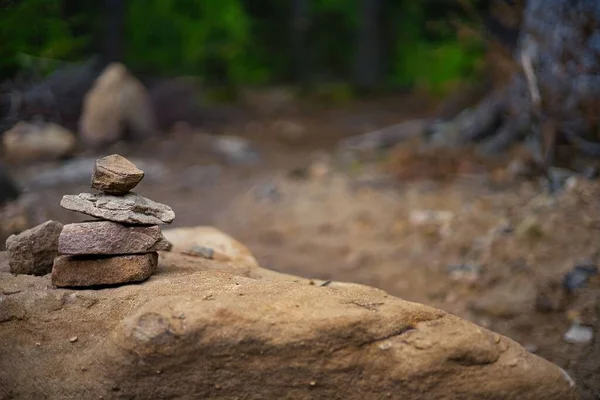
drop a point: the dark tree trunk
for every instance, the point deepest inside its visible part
(367, 68)
(115, 22)
(555, 96)
(552, 100)
(299, 30)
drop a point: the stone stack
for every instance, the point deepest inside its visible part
(121, 246)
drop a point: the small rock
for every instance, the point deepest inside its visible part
(530, 347)
(268, 191)
(33, 251)
(81, 271)
(290, 130)
(116, 175)
(579, 276)
(319, 169)
(73, 339)
(201, 251)
(110, 238)
(424, 217)
(518, 168)
(559, 178)
(131, 208)
(579, 334)
(464, 272)
(236, 150)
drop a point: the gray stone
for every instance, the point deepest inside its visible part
(82, 271)
(579, 334)
(110, 238)
(32, 251)
(115, 174)
(129, 209)
(236, 150)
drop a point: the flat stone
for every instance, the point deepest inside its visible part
(116, 175)
(110, 238)
(82, 271)
(130, 208)
(32, 251)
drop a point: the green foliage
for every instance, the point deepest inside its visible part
(231, 43)
(203, 37)
(432, 59)
(432, 66)
(33, 30)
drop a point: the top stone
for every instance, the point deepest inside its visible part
(115, 175)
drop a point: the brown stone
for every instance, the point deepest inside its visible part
(115, 174)
(32, 251)
(116, 101)
(81, 271)
(110, 238)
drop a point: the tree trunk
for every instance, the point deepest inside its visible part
(367, 68)
(552, 100)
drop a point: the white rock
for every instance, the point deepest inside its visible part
(579, 334)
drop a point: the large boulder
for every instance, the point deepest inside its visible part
(116, 101)
(28, 142)
(224, 328)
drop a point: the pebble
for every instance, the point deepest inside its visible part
(201, 251)
(579, 334)
(267, 192)
(424, 217)
(579, 276)
(73, 339)
(532, 348)
(464, 272)
(236, 150)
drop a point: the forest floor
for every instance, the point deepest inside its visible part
(489, 249)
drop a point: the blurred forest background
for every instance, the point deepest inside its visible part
(372, 45)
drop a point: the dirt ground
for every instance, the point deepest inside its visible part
(489, 249)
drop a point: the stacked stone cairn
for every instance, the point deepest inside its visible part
(121, 246)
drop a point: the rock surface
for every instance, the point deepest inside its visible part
(80, 271)
(116, 175)
(131, 208)
(32, 251)
(110, 238)
(226, 329)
